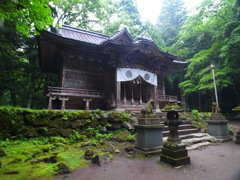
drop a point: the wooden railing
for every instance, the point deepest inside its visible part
(61, 91)
(167, 98)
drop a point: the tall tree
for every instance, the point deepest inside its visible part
(125, 12)
(155, 34)
(172, 17)
(80, 13)
(212, 35)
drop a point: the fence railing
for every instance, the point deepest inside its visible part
(62, 91)
(167, 98)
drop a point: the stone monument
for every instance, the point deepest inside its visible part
(217, 124)
(174, 152)
(237, 109)
(149, 131)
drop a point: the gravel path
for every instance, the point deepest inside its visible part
(220, 161)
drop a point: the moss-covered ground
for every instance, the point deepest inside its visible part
(40, 158)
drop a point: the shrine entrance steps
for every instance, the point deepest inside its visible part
(190, 136)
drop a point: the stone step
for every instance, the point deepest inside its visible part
(196, 140)
(198, 145)
(182, 131)
(183, 126)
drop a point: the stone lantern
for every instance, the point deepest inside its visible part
(174, 152)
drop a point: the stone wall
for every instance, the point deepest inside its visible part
(27, 123)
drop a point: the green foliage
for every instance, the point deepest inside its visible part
(211, 34)
(85, 13)
(122, 12)
(171, 19)
(76, 137)
(25, 15)
(198, 119)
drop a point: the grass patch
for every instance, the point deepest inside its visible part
(27, 159)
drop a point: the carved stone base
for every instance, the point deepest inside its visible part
(149, 138)
(174, 154)
(218, 128)
(148, 151)
(237, 139)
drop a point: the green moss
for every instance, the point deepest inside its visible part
(173, 145)
(236, 108)
(123, 136)
(27, 158)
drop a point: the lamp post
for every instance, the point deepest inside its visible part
(212, 65)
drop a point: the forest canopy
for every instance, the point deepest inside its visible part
(211, 33)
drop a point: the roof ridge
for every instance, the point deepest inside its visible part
(85, 31)
(119, 32)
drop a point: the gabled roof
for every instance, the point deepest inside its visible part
(82, 35)
(122, 33)
(92, 37)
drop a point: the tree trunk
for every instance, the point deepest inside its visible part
(13, 98)
(199, 102)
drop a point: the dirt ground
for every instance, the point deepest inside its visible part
(220, 161)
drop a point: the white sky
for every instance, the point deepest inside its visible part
(150, 9)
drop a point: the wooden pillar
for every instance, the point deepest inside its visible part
(51, 98)
(124, 94)
(118, 93)
(163, 84)
(156, 102)
(132, 100)
(140, 94)
(87, 102)
(63, 99)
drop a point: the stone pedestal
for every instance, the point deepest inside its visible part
(175, 154)
(237, 139)
(149, 138)
(218, 128)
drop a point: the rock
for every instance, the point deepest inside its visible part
(128, 149)
(2, 153)
(35, 161)
(100, 160)
(65, 132)
(117, 151)
(29, 132)
(76, 124)
(122, 136)
(53, 159)
(16, 160)
(11, 172)
(36, 121)
(63, 169)
(115, 126)
(85, 144)
(128, 126)
(88, 154)
(66, 124)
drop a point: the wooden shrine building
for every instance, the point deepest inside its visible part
(105, 72)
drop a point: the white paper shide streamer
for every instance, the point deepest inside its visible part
(129, 74)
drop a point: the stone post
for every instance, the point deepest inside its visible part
(63, 99)
(51, 98)
(87, 102)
